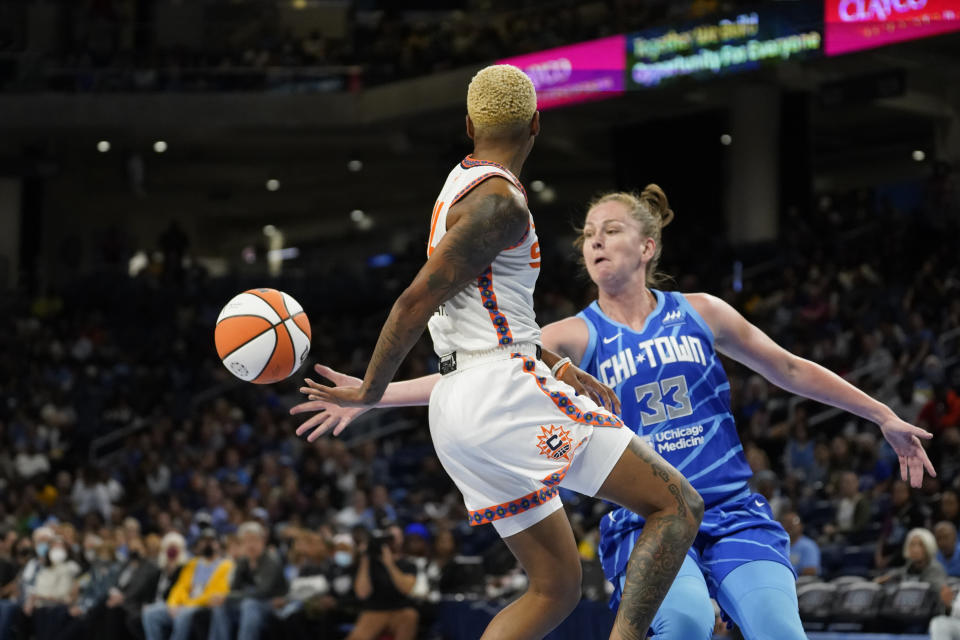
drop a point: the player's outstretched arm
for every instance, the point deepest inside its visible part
(747, 344)
(406, 393)
(490, 218)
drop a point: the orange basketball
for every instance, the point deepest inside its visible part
(262, 336)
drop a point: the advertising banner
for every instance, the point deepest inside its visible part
(587, 71)
(716, 46)
(852, 25)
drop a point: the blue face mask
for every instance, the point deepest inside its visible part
(343, 558)
(42, 548)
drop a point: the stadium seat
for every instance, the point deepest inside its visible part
(857, 604)
(816, 604)
(910, 605)
(844, 581)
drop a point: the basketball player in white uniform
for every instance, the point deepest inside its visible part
(507, 428)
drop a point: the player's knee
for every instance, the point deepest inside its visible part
(563, 591)
(681, 620)
(779, 624)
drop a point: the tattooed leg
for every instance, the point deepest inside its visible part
(645, 483)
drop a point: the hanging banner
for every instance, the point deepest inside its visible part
(852, 25)
(728, 45)
(591, 70)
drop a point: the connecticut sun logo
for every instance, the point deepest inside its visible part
(554, 442)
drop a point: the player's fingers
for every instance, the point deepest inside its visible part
(616, 402)
(309, 424)
(325, 371)
(322, 427)
(331, 374)
(304, 407)
(342, 426)
(923, 434)
(592, 392)
(609, 398)
(915, 466)
(904, 472)
(927, 464)
(326, 394)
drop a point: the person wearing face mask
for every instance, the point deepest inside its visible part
(205, 576)
(171, 559)
(53, 592)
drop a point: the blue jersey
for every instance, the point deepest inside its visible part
(675, 394)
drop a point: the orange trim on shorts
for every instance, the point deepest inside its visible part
(489, 300)
(563, 402)
(514, 507)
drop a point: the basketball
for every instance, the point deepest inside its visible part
(262, 336)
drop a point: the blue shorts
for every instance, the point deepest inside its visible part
(732, 533)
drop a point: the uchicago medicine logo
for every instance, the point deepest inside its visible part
(852, 25)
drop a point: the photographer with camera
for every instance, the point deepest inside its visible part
(383, 585)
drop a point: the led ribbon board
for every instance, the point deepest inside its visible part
(566, 75)
(716, 46)
(852, 25)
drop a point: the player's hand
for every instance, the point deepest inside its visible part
(905, 440)
(334, 411)
(585, 384)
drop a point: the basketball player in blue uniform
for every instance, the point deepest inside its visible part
(659, 351)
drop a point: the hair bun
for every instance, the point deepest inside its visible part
(654, 197)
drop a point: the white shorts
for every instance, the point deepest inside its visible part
(509, 434)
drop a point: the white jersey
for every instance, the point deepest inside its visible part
(497, 309)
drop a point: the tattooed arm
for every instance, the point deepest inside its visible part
(490, 218)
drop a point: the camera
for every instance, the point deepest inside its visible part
(378, 539)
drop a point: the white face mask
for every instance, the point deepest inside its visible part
(90, 555)
(58, 555)
(343, 558)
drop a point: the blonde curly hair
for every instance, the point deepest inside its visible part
(501, 96)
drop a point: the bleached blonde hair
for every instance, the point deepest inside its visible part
(501, 96)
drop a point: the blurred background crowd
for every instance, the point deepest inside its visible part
(103, 44)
